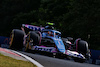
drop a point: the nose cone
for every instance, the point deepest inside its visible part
(62, 51)
(60, 45)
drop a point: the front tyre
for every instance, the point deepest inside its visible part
(32, 39)
(83, 47)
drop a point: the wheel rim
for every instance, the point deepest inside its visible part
(26, 47)
(11, 39)
(27, 43)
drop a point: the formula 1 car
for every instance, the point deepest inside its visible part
(46, 39)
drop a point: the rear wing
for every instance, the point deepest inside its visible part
(32, 27)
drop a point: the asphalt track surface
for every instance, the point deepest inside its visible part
(56, 62)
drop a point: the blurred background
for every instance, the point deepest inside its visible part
(74, 18)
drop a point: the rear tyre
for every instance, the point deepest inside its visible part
(16, 39)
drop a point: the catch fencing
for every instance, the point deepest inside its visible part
(4, 42)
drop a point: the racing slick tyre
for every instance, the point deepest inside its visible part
(32, 39)
(35, 36)
(16, 39)
(82, 47)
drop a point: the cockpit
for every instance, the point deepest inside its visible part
(52, 33)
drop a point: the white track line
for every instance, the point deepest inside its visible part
(30, 59)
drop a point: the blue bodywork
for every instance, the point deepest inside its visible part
(56, 38)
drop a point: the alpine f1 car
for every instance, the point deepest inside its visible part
(46, 39)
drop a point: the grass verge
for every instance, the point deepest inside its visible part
(6, 61)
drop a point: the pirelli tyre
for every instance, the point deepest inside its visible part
(16, 39)
(32, 39)
(82, 47)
